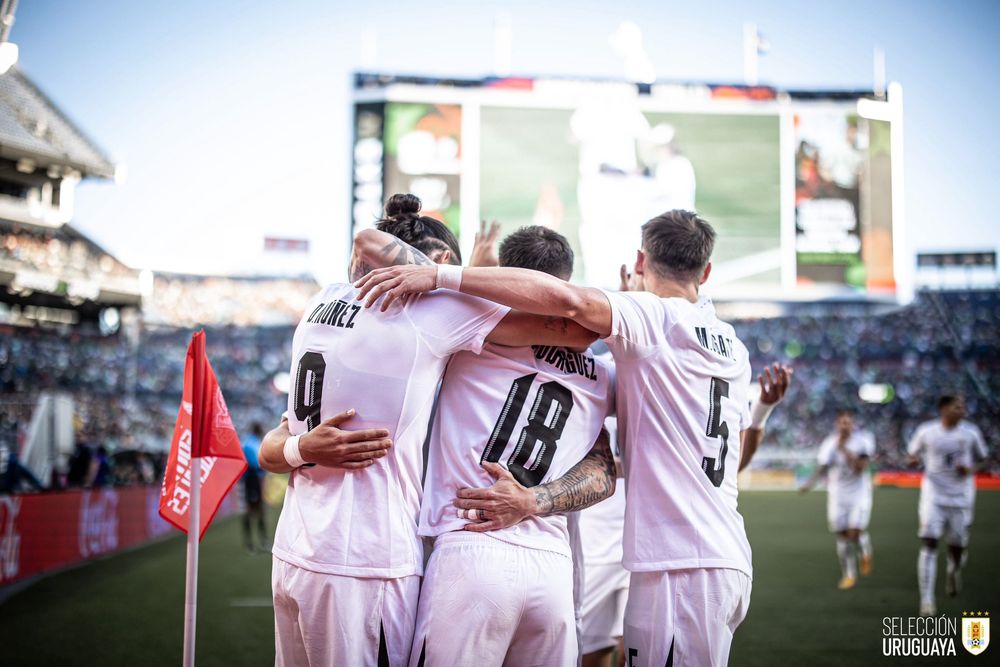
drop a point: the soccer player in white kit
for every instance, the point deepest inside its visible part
(682, 384)
(843, 458)
(347, 559)
(952, 450)
(605, 590)
(505, 597)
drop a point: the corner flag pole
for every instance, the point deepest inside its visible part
(194, 509)
(191, 578)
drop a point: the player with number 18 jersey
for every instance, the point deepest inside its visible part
(505, 596)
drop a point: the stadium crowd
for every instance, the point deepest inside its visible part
(127, 395)
(56, 251)
(127, 389)
(942, 342)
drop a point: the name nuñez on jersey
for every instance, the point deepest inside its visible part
(567, 361)
(717, 343)
(335, 314)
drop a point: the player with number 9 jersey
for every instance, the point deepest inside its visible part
(358, 527)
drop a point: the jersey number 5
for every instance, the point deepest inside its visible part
(540, 429)
(717, 429)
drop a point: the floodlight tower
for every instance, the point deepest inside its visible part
(8, 50)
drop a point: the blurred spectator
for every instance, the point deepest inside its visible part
(252, 493)
(14, 476)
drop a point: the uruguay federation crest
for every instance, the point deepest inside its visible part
(976, 634)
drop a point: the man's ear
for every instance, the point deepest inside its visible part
(706, 273)
(441, 257)
(640, 261)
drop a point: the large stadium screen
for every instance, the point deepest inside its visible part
(797, 186)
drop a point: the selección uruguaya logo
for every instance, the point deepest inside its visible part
(926, 636)
(975, 631)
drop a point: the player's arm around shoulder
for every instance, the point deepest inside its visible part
(520, 329)
(376, 249)
(521, 289)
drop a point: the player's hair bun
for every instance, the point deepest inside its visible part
(402, 204)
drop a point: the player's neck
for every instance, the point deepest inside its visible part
(666, 288)
(949, 424)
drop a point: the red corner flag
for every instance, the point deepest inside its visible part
(204, 429)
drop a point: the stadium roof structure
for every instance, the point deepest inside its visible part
(33, 127)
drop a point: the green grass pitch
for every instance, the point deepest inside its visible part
(128, 609)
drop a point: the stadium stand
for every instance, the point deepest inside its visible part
(942, 342)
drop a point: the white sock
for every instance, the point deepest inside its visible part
(846, 556)
(927, 573)
(865, 542)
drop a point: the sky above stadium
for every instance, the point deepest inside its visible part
(233, 118)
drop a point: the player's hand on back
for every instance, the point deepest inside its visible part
(329, 445)
(395, 282)
(502, 505)
(774, 385)
(484, 252)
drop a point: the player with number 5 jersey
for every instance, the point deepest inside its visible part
(682, 385)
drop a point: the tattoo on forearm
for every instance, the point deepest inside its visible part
(587, 483)
(403, 253)
(559, 324)
(360, 270)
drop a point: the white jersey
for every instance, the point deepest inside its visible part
(387, 366)
(602, 525)
(535, 410)
(843, 484)
(683, 380)
(942, 450)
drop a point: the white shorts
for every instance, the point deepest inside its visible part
(485, 602)
(951, 523)
(326, 619)
(684, 617)
(843, 515)
(604, 597)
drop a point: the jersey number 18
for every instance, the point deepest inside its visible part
(540, 430)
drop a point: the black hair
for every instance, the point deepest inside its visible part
(428, 235)
(539, 248)
(946, 400)
(678, 244)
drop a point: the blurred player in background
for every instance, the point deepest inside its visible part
(683, 380)
(952, 450)
(252, 494)
(843, 459)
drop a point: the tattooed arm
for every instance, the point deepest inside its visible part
(519, 329)
(507, 502)
(376, 250)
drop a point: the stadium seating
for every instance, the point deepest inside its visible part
(127, 394)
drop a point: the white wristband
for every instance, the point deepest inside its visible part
(291, 450)
(759, 412)
(449, 277)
